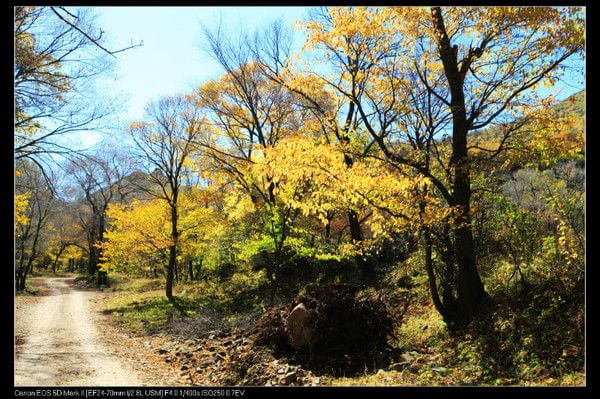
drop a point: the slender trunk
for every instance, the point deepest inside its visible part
(435, 296)
(171, 271)
(172, 253)
(199, 268)
(191, 269)
(366, 267)
(29, 266)
(56, 259)
(92, 262)
(355, 231)
(20, 280)
(103, 278)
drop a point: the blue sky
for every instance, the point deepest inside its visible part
(171, 60)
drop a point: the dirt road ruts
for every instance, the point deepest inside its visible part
(58, 343)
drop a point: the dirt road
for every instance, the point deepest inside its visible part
(58, 342)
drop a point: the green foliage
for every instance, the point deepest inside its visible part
(537, 335)
(149, 311)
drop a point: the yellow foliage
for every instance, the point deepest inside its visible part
(140, 232)
(312, 177)
(21, 204)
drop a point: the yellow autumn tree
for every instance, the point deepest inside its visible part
(139, 236)
(312, 178)
(419, 74)
(21, 203)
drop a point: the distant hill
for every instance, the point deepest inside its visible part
(568, 141)
(574, 105)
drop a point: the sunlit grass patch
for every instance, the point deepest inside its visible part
(151, 310)
(421, 328)
(124, 282)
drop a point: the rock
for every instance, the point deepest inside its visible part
(283, 370)
(289, 378)
(300, 327)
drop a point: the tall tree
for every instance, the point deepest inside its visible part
(49, 79)
(167, 143)
(473, 68)
(31, 229)
(101, 181)
(249, 113)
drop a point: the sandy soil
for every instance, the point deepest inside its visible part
(58, 341)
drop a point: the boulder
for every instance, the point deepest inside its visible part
(300, 327)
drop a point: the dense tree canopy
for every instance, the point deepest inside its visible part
(394, 136)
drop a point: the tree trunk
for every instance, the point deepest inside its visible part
(470, 291)
(191, 269)
(199, 273)
(20, 279)
(56, 259)
(171, 271)
(470, 288)
(366, 268)
(172, 252)
(92, 261)
(102, 278)
(431, 276)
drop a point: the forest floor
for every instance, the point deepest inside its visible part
(62, 338)
(130, 334)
